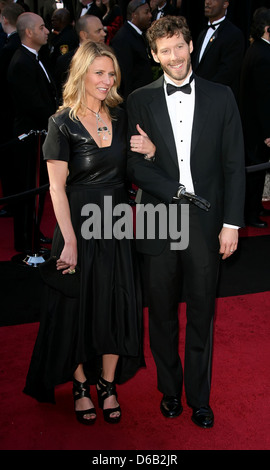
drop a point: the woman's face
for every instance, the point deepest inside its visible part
(99, 78)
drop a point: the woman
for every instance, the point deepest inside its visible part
(112, 18)
(95, 338)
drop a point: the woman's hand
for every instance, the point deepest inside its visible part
(142, 144)
(68, 258)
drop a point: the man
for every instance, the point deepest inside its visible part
(163, 8)
(196, 142)
(88, 27)
(131, 50)
(63, 37)
(220, 48)
(254, 108)
(34, 98)
(8, 17)
(84, 7)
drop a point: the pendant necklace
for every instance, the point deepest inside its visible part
(102, 128)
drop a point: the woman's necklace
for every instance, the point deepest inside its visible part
(102, 129)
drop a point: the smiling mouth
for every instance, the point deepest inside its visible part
(176, 66)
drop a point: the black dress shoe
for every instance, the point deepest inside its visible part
(170, 406)
(257, 222)
(203, 417)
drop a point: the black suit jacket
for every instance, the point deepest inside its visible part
(217, 155)
(34, 97)
(135, 63)
(222, 58)
(255, 97)
(6, 108)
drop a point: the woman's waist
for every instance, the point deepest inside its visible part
(94, 186)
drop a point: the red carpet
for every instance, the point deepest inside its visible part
(240, 394)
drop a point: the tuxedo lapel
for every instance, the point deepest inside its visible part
(161, 117)
(201, 111)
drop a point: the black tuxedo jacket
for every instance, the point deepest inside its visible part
(92, 10)
(134, 61)
(34, 97)
(217, 155)
(222, 58)
(167, 10)
(255, 97)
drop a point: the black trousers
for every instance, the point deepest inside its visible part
(196, 268)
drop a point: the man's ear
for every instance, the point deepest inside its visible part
(190, 47)
(155, 57)
(28, 32)
(83, 35)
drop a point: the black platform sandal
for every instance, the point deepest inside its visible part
(105, 390)
(81, 390)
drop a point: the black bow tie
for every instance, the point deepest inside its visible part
(213, 26)
(184, 88)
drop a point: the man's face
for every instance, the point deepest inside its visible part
(95, 30)
(142, 17)
(215, 9)
(39, 34)
(173, 54)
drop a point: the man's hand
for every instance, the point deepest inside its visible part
(228, 241)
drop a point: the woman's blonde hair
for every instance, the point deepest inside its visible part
(74, 96)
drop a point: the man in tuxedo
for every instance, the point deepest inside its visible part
(190, 136)
(34, 99)
(130, 48)
(84, 7)
(254, 108)
(220, 47)
(8, 17)
(163, 8)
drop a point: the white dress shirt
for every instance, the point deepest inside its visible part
(86, 8)
(181, 111)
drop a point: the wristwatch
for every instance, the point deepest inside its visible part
(150, 159)
(180, 192)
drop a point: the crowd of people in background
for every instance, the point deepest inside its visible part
(30, 97)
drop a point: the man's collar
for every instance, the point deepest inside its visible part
(167, 79)
(135, 27)
(217, 21)
(266, 40)
(31, 50)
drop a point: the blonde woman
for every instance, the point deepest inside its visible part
(95, 337)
